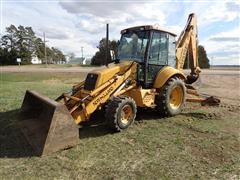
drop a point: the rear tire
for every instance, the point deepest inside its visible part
(171, 97)
(120, 112)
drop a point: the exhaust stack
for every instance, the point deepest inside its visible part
(107, 44)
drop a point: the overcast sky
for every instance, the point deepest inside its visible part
(70, 25)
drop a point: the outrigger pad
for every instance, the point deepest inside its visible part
(47, 125)
(211, 101)
(191, 79)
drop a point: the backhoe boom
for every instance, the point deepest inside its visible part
(188, 43)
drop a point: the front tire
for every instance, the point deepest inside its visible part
(171, 98)
(120, 112)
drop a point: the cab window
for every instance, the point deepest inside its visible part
(158, 54)
(172, 51)
(133, 45)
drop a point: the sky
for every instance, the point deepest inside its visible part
(70, 25)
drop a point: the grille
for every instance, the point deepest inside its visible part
(90, 82)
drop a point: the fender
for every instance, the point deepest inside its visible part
(165, 74)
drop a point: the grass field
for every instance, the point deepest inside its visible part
(200, 143)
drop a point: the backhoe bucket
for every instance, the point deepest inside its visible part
(47, 125)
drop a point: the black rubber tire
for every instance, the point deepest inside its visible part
(114, 109)
(163, 99)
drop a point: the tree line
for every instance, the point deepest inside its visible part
(100, 56)
(22, 42)
(202, 59)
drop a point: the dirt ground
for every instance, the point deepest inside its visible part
(224, 84)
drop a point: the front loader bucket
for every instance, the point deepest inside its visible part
(47, 125)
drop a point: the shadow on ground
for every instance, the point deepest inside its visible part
(12, 142)
(96, 127)
(195, 115)
(14, 145)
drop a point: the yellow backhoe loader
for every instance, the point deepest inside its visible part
(147, 72)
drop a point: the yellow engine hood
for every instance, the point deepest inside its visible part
(106, 73)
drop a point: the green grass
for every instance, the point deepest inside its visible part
(200, 143)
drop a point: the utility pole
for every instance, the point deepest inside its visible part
(45, 51)
(82, 54)
(11, 41)
(211, 62)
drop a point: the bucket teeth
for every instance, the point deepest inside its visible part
(47, 125)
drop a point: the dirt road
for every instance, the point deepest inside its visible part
(44, 69)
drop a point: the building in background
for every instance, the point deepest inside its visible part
(86, 61)
(79, 60)
(35, 60)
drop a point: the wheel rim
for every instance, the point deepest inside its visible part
(176, 97)
(126, 114)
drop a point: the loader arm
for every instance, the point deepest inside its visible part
(83, 103)
(188, 43)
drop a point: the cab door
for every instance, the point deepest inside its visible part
(158, 55)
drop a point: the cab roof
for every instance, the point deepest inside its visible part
(148, 27)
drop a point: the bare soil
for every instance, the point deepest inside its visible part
(224, 84)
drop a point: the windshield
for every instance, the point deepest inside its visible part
(133, 45)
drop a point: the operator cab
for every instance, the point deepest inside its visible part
(152, 47)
